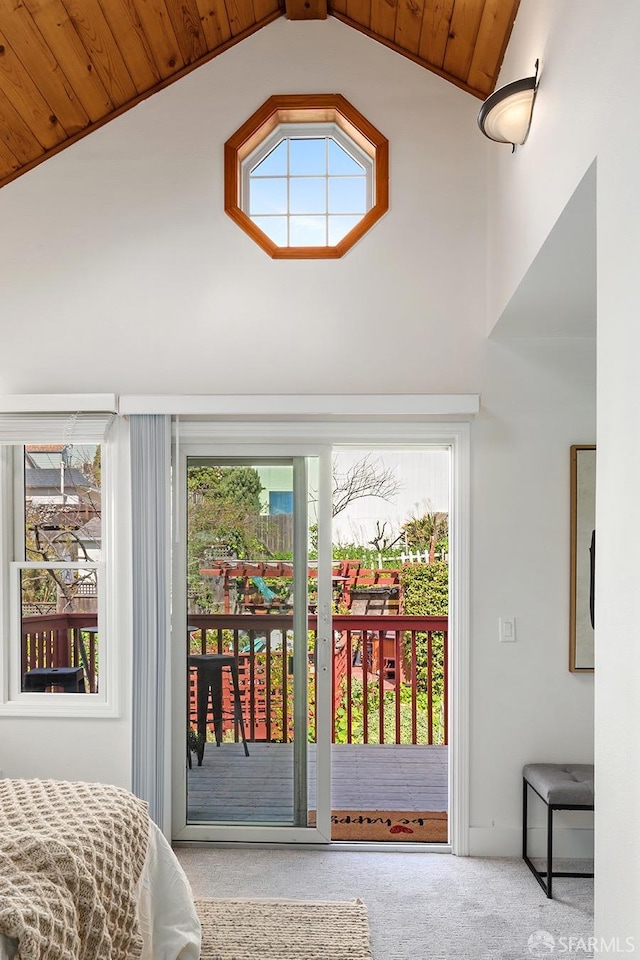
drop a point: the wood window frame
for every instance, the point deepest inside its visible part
(305, 109)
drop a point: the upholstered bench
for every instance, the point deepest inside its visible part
(562, 786)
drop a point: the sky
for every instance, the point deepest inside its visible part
(424, 488)
(310, 187)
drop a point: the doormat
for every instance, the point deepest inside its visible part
(273, 929)
(392, 825)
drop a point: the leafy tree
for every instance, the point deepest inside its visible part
(222, 512)
(427, 533)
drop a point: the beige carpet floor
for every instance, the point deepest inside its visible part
(273, 929)
(420, 906)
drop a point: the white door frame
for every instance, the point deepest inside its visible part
(310, 438)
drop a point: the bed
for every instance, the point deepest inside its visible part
(85, 873)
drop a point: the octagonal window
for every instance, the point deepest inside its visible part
(307, 190)
(306, 176)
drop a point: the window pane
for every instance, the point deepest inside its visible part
(308, 156)
(59, 630)
(340, 162)
(307, 231)
(280, 501)
(339, 227)
(274, 164)
(307, 195)
(268, 196)
(62, 503)
(274, 227)
(347, 195)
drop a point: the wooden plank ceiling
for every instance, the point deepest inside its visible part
(68, 66)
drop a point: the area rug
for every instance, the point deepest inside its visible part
(273, 929)
(390, 825)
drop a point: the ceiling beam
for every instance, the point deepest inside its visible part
(306, 9)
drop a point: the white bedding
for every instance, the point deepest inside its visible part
(168, 921)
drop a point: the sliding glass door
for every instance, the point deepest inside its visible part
(251, 629)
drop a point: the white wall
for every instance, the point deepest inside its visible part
(66, 749)
(537, 400)
(120, 272)
(127, 237)
(530, 188)
(586, 108)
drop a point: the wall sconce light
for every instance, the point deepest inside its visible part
(505, 116)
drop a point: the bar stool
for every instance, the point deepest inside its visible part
(209, 688)
(71, 679)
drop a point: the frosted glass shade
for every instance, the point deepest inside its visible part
(505, 116)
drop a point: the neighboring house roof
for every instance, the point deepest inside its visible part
(69, 68)
(49, 479)
(45, 447)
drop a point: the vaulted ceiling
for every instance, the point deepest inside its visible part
(68, 66)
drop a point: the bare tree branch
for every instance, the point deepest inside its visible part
(381, 541)
(368, 477)
(55, 530)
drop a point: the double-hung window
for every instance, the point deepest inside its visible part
(55, 651)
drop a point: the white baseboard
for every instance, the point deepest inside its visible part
(507, 842)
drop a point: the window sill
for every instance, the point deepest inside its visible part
(38, 705)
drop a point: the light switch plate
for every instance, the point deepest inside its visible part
(507, 629)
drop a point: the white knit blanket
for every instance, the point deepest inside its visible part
(71, 855)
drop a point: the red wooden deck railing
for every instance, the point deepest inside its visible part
(61, 640)
(389, 677)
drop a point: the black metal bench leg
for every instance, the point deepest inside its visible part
(525, 856)
(524, 819)
(549, 849)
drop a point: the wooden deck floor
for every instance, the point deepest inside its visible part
(259, 788)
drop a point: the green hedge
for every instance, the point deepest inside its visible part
(425, 590)
(425, 587)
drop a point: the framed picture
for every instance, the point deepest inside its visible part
(583, 557)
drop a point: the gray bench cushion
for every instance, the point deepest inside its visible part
(570, 783)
